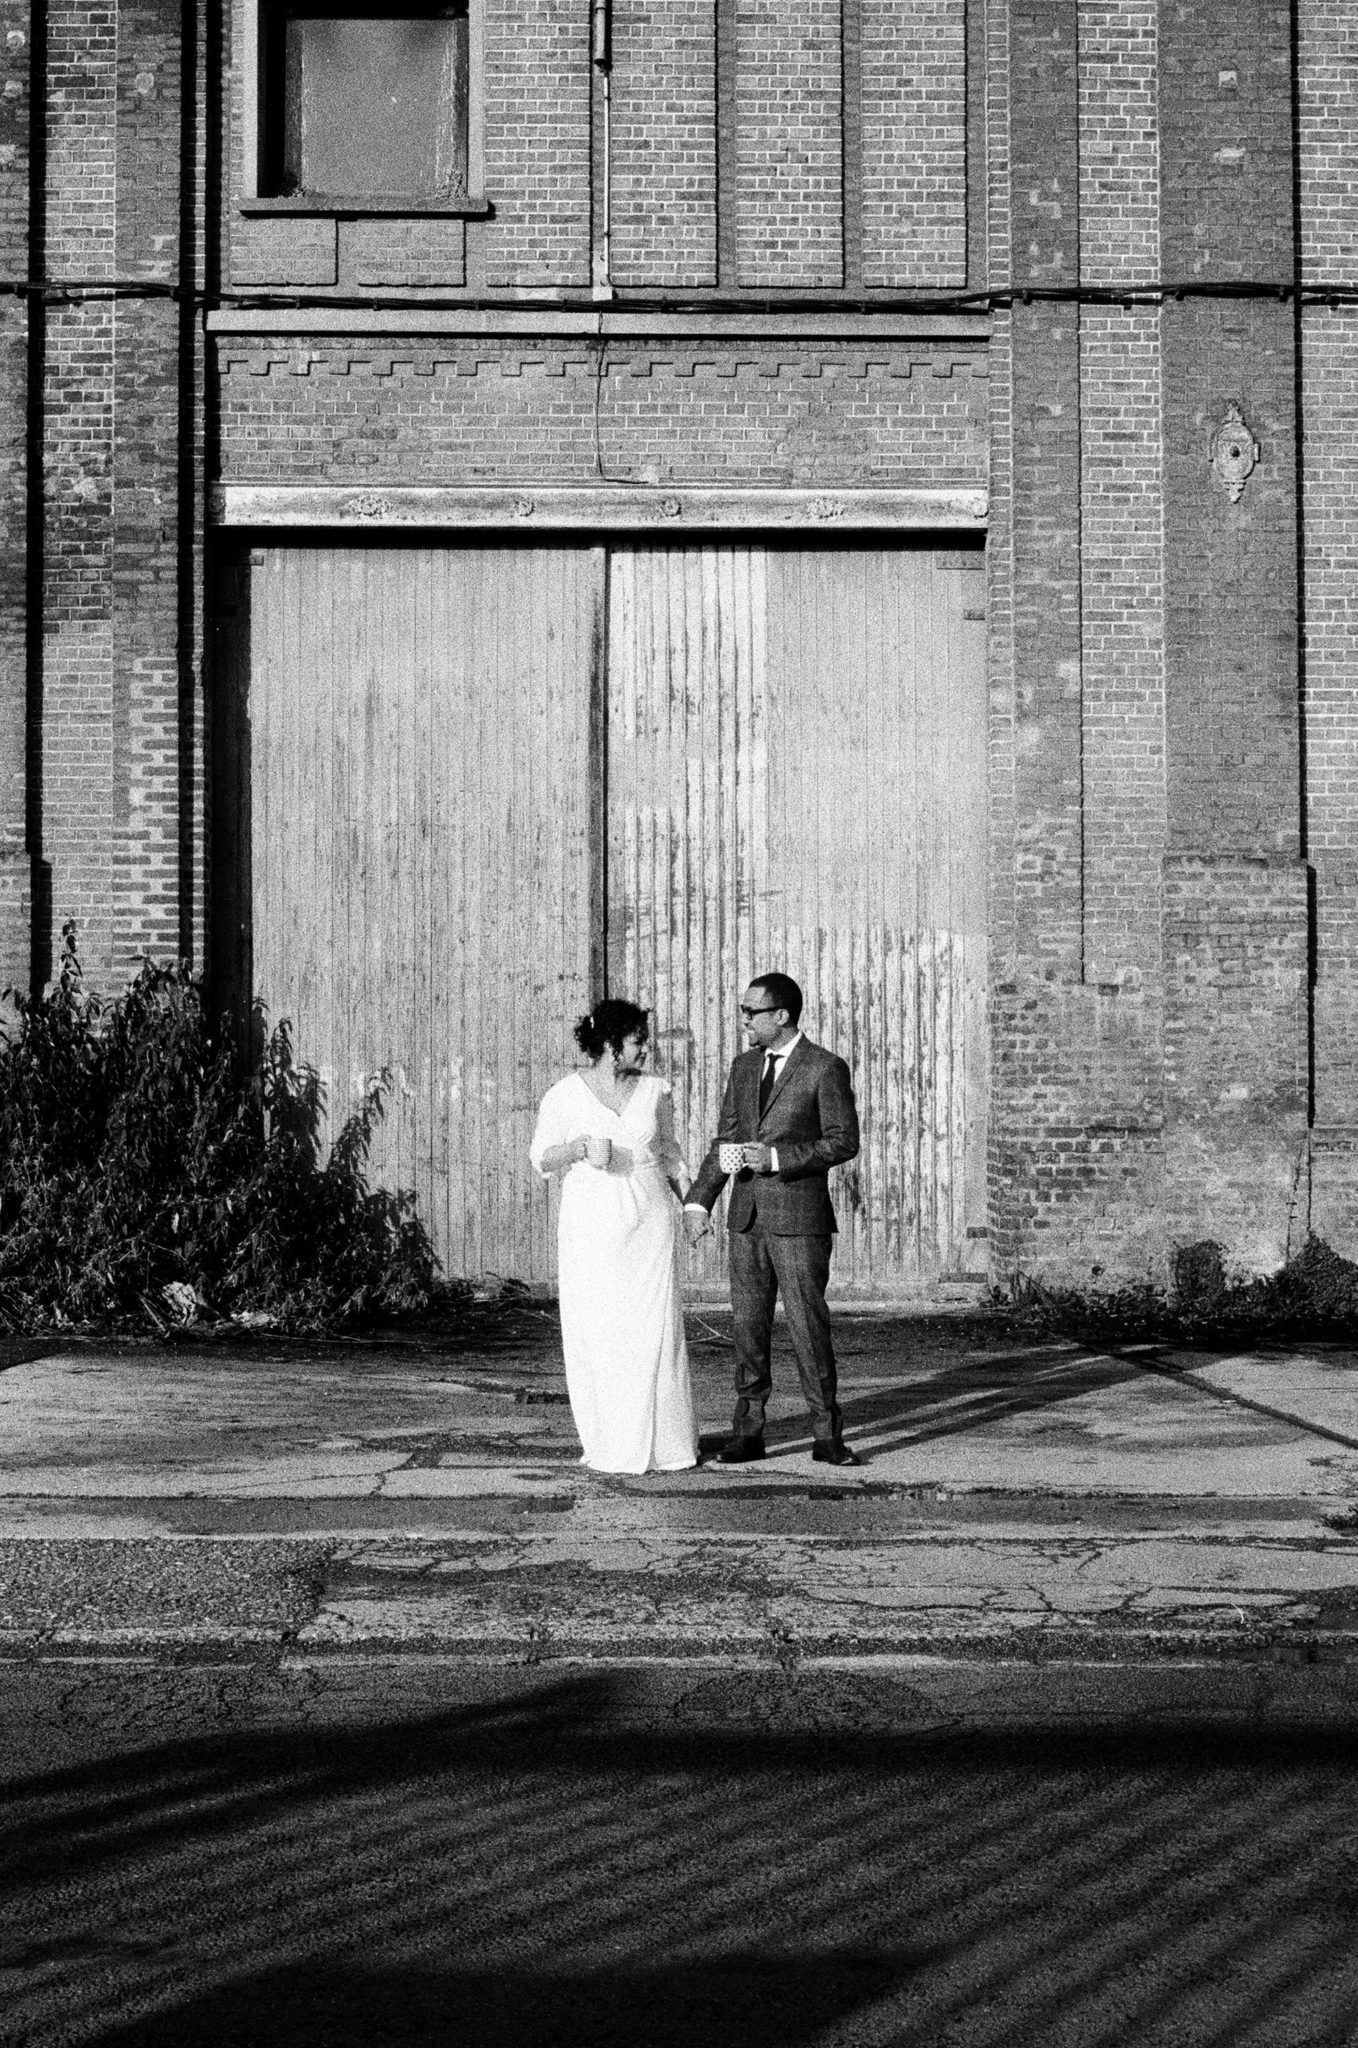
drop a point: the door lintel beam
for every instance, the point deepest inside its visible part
(596, 507)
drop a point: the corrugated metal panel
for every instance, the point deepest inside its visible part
(877, 801)
(796, 776)
(424, 826)
(687, 830)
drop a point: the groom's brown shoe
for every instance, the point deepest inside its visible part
(834, 1451)
(740, 1450)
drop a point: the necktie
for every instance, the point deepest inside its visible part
(766, 1080)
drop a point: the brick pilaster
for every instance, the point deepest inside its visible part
(1327, 103)
(664, 143)
(15, 102)
(112, 554)
(1037, 797)
(1045, 345)
(1236, 900)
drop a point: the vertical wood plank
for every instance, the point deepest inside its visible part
(420, 774)
(876, 769)
(682, 793)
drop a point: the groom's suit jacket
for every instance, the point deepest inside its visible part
(812, 1123)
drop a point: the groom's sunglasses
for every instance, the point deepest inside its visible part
(765, 1010)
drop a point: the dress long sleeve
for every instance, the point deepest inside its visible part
(551, 1128)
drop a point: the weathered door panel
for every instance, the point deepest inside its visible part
(423, 824)
(796, 778)
(687, 782)
(782, 750)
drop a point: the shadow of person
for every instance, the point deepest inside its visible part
(964, 1396)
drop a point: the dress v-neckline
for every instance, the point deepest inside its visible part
(618, 1113)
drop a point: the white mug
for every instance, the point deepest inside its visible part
(730, 1158)
(599, 1152)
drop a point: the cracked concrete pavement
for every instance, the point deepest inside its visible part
(1017, 1499)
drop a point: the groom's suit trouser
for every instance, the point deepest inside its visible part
(798, 1267)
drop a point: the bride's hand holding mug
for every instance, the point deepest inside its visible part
(599, 1153)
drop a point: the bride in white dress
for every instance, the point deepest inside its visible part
(608, 1131)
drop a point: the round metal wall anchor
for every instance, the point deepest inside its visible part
(1234, 453)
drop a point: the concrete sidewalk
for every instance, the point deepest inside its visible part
(1016, 1500)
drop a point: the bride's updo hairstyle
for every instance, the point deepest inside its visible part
(606, 1026)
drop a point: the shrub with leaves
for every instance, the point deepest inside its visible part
(1315, 1294)
(139, 1149)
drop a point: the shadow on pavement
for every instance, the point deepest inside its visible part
(963, 1395)
(23, 1350)
(528, 1870)
(761, 2001)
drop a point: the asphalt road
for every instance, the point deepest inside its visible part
(375, 1853)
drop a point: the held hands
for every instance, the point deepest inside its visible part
(697, 1225)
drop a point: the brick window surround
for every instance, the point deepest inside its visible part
(294, 61)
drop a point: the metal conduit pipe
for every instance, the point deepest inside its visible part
(601, 37)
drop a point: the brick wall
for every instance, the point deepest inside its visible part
(1076, 1153)
(1327, 109)
(1037, 847)
(1230, 581)
(1149, 1006)
(77, 450)
(1122, 584)
(79, 230)
(1235, 894)
(537, 127)
(914, 142)
(468, 412)
(664, 142)
(1122, 645)
(112, 547)
(1327, 115)
(15, 100)
(1330, 415)
(746, 148)
(1119, 142)
(1235, 1055)
(1046, 493)
(147, 567)
(1148, 911)
(789, 145)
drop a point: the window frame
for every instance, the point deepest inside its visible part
(357, 206)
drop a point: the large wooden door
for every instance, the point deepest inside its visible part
(796, 779)
(421, 834)
(463, 787)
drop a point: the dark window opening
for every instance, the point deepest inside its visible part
(362, 101)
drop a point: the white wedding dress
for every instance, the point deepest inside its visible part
(622, 1326)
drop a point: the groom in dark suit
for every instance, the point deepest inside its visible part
(789, 1108)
